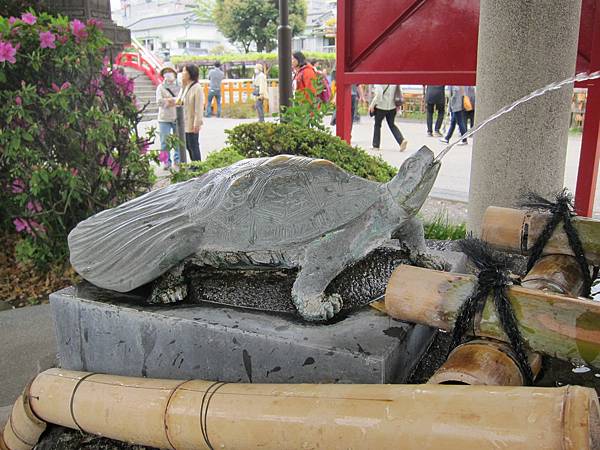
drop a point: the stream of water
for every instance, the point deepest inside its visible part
(537, 93)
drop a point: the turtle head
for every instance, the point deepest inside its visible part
(411, 185)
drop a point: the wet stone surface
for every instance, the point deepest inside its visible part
(271, 290)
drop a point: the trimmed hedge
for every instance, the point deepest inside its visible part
(256, 140)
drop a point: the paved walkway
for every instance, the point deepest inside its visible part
(453, 180)
(27, 347)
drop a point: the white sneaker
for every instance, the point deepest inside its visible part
(462, 143)
(444, 140)
(403, 145)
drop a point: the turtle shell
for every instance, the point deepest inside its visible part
(256, 204)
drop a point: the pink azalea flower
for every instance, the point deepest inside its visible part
(63, 38)
(145, 147)
(20, 224)
(34, 206)
(7, 52)
(18, 186)
(47, 39)
(65, 85)
(163, 157)
(29, 18)
(109, 162)
(95, 23)
(12, 20)
(74, 171)
(78, 29)
(18, 100)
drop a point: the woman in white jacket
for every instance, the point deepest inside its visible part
(383, 106)
(166, 94)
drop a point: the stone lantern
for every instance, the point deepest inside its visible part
(94, 9)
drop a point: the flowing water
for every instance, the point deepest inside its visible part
(537, 93)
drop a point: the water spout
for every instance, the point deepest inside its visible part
(551, 87)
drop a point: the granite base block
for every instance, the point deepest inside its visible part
(119, 335)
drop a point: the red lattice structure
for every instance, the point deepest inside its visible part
(435, 42)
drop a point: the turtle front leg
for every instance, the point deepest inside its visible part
(171, 287)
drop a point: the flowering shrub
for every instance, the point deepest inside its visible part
(69, 145)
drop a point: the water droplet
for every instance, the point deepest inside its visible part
(581, 369)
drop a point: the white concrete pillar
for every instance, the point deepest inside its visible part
(523, 45)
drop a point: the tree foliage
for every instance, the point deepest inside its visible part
(247, 22)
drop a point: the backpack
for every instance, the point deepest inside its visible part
(325, 94)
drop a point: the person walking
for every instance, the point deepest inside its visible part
(384, 106)
(192, 100)
(305, 75)
(470, 115)
(260, 92)
(356, 96)
(166, 95)
(458, 115)
(215, 77)
(435, 99)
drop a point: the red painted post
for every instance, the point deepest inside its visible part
(343, 103)
(587, 175)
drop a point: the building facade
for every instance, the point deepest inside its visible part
(319, 34)
(169, 28)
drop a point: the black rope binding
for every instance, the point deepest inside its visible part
(494, 277)
(562, 210)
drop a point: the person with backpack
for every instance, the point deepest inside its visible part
(385, 103)
(305, 75)
(260, 92)
(166, 94)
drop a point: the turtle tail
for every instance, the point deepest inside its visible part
(132, 244)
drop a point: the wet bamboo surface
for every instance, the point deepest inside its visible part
(560, 326)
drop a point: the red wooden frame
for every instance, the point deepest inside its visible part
(435, 42)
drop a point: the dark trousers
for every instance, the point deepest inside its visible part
(440, 116)
(193, 145)
(354, 111)
(389, 116)
(458, 117)
(470, 120)
(260, 109)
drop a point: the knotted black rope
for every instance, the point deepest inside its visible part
(562, 210)
(494, 278)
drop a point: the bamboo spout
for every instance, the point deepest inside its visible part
(564, 327)
(484, 362)
(517, 231)
(180, 415)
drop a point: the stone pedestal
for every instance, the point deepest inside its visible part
(106, 332)
(523, 45)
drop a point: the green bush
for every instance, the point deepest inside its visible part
(68, 132)
(255, 140)
(223, 158)
(269, 139)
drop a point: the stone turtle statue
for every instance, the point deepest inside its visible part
(284, 211)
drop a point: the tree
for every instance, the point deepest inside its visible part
(247, 22)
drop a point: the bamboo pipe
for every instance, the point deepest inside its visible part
(555, 273)
(491, 362)
(167, 414)
(484, 362)
(517, 231)
(23, 429)
(564, 327)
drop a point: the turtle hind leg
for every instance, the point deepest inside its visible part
(171, 287)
